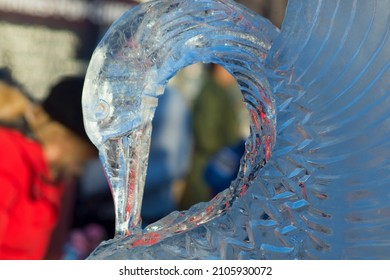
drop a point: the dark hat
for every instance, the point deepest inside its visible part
(63, 104)
(6, 76)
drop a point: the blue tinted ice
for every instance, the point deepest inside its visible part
(317, 161)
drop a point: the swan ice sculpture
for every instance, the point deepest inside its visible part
(317, 161)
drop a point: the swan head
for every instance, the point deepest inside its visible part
(112, 102)
(118, 106)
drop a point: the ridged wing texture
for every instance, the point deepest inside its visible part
(330, 72)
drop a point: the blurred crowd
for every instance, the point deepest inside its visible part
(55, 200)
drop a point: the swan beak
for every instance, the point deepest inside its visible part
(125, 160)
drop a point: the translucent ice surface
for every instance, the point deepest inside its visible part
(317, 161)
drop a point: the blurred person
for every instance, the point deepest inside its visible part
(14, 102)
(217, 122)
(222, 167)
(169, 157)
(36, 167)
(18, 109)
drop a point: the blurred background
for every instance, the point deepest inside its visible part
(43, 41)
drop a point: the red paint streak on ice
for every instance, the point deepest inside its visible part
(262, 114)
(130, 193)
(255, 120)
(243, 190)
(267, 149)
(148, 239)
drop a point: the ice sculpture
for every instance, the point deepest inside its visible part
(320, 172)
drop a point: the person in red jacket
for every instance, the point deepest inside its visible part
(35, 168)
